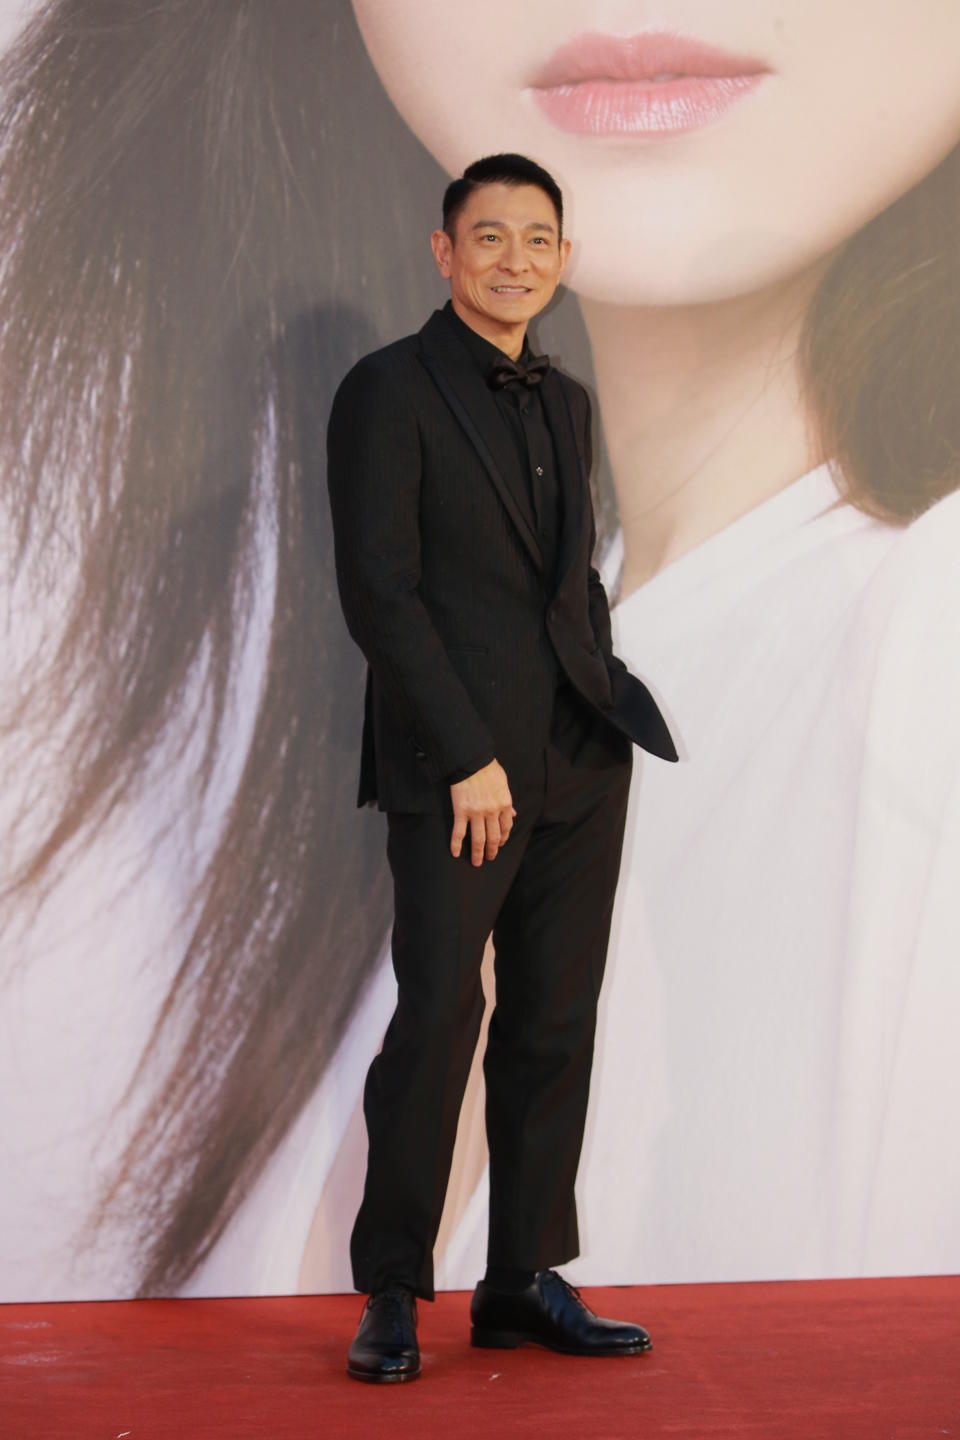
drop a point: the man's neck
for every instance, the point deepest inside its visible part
(508, 338)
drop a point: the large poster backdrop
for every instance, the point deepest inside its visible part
(208, 210)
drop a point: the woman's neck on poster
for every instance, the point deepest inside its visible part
(703, 414)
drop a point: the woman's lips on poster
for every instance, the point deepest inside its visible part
(652, 84)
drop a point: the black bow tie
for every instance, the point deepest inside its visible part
(509, 372)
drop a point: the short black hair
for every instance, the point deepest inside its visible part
(498, 170)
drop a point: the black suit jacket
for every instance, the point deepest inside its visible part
(442, 580)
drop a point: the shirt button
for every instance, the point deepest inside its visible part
(539, 469)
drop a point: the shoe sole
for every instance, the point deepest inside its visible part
(513, 1339)
(395, 1377)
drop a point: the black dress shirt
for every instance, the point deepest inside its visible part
(522, 411)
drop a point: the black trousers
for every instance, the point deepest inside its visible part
(548, 898)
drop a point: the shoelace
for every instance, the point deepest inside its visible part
(572, 1290)
(397, 1302)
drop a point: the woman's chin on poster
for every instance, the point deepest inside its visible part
(764, 205)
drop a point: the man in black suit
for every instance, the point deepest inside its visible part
(463, 527)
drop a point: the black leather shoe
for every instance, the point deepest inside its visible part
(385, 1346)
(549, 1312)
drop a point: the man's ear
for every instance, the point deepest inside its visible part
(442, 247)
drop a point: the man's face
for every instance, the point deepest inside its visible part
(506, 258)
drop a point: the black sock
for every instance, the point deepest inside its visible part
(502, 1277)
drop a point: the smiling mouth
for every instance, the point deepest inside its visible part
(511, 289)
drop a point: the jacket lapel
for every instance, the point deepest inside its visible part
(455, 376)
(572, 473)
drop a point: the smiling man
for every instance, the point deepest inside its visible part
(497, 737)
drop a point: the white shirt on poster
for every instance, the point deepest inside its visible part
(776, 1084)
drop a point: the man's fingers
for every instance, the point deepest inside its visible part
(457, 834)
(478, 839)
(493, 836)
(489, 829)
(482, 801)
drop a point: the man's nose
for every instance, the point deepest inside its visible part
(513, 257)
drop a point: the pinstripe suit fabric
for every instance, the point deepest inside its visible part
(475, 653)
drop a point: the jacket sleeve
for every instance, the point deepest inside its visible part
(597, 595)
(373, 477)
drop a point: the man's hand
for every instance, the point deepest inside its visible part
(483, 802)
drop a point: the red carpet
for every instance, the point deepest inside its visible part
(845, 1359)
